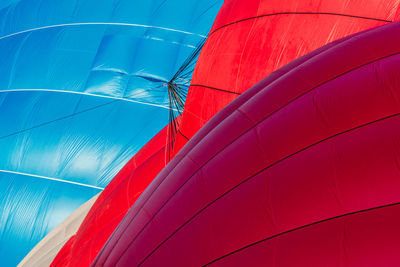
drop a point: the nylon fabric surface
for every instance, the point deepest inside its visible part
(81, 92)
(255, 38)
(264, 50)
(323, 129)
(114, 202)
(47, 249)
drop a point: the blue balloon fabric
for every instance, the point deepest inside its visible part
(82, 89)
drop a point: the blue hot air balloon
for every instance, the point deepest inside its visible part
(82, 89)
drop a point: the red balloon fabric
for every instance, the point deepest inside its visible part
(301, 170)
(252, 38)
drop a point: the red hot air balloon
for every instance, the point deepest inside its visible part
(251, 39)
(301, 170)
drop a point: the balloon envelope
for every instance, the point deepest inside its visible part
(300, 170)
(251, 38)
(81, 91)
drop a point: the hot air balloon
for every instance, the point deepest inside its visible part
(82, 90)
(251, 39)
(300, 170)
(260, 37)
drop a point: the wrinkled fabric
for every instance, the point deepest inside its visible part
(82, 89)
(114, 202)
(300, 170)
(259, 46)
(47, 249)
(251, 39)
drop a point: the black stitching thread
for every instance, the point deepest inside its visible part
(298, 13)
